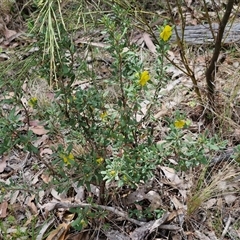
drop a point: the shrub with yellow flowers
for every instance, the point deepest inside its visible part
(110, 126)
(184, 148)
(107, 120)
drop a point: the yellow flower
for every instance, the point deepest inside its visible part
(83, 223)
(179, 123)
(67, 158)
(69, 100)
(100, 160)
(103, 115)
(32, 102)
(112, 173)
(166, 33)
(144, 77)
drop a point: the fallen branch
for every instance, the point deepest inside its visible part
(51, 206)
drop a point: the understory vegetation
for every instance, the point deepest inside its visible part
(115, 123)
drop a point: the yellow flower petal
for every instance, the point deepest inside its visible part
(112, 173)
(103, 115)
(32, 102)
(179, 123)
(100, 160)
(166, 33)
(70, 156)
(67, 158)
(144, 78)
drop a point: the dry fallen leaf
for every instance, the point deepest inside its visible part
(230, 198)
(177, 204)
(14, 197)
(32, 205)
(9, 33)
(46, 151)
(60, 232)
(3, 209)
(41, 141)
(136, 196)
(46, 178)
(172, 176)
(148, 41)
(3, 163)
(155, 200)
(34, 123)
(44, 229)
(38, 130)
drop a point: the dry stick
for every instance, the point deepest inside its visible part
(226, 227)
(210, 72)
(147, 225)
(208, 18)
(111, 209)
(189, 71)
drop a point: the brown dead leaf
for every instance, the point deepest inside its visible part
(141, 232)
(34, 123)
(3, 163)
(32, 205)
(14, 197)
(44, 229)
(60, 232)
(148, 41)
(40, 141)
(162, 112)
(3, 209)
(49, 206)
(177, 204)
(9, 33)
(210, 203)
(56, 195)
(155, 200)
(172, 176)
(38, 130)
(80, 196)
(41, 195)
(136, 196)
(46, 151)
(46, 177)
(230, 198)
(36, 177)
(172, 215)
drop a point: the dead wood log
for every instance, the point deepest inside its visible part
(202, 34)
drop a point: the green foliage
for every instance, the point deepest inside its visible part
(186, 148)
(105, 120)
(85, 215)
(146, 213)
(106, 125)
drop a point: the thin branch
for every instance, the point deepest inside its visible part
(210, 72)
(110, 209)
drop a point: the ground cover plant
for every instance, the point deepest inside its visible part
(114, 125)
